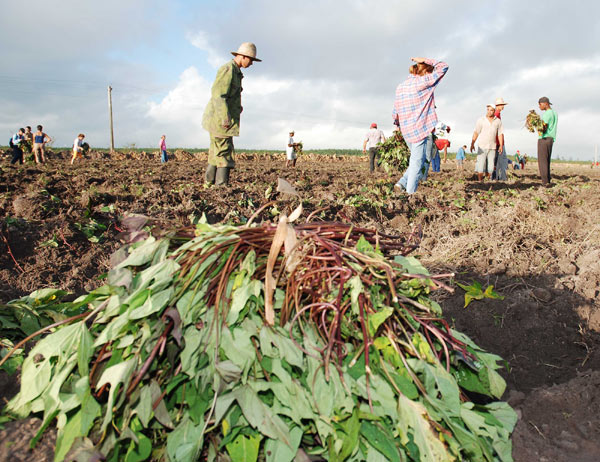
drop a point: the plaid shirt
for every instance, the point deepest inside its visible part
(414, 108)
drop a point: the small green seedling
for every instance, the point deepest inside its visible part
(476, 292)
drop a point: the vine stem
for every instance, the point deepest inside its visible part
(10, 252)
(41, 331)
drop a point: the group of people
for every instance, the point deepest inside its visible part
(25, 141)
(414, 112)
(492, 161)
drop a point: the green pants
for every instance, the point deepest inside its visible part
(220, 152)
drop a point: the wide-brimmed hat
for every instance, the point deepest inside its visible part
(544, 99)
(500, 102)
(247, 49)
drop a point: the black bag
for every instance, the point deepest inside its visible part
(10, 143)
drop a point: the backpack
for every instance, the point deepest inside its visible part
(10, 142)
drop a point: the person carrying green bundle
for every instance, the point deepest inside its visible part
(222, 114)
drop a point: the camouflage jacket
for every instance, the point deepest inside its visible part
(225, 103)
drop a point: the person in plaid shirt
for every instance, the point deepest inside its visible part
(414, 113)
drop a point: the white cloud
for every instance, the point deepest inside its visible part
(184, 102)
(200, 40)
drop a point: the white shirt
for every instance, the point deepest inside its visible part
(441, 129)
(487, 132)
(373, 136)
(77, 144)
(290, 149)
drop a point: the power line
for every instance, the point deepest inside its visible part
(86, 83)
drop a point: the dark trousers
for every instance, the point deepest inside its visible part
(17, 155)
(544, 152)
(372, 158)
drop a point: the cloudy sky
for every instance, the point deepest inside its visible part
(329, 68)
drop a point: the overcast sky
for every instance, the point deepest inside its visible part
(329, 68)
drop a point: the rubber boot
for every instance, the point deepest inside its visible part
(211, 171)
(222, 177)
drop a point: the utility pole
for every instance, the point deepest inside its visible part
(112, 135)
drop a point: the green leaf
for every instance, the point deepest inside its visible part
(144, 407)
(276, 451)
(244, 448)
(154, 303)
(238, 347)
(375, 437)
(378, 318)
(470, 380)
(490, 293)
(141, 451)
(85, 350)
(142, 254)
(185, 442)
(476, 292)
(351, 429)
(363, 246)
(423, 348)
(241, 296)
(115, 375)
(411, 265)
(77, 426)
(260, 416)
(414, 420)
(285, 348)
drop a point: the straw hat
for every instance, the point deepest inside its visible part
(247, 49)
(500, 102)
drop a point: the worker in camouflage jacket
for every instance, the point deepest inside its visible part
(222, 114)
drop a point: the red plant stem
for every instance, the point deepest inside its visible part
(10, 252)
(363, 323)
(96, 362)
(161, 340)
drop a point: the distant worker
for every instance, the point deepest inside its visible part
(546, 139)
(77, 148)
(162, 145)
(15, 145)
(373, 137)
(460, 157)
(441, 131)
(27, 144)
(39, 142)
(414, 113)
(291, 151)
(517, 163)
(487, 129)
(522, 160)
(28, 134)
(222, 114)
(501, 161)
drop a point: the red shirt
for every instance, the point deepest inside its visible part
(442, 143)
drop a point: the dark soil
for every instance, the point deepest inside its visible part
(539, 248)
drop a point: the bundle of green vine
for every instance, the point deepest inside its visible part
(533, 122)
(394, 153)
(276, 342)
